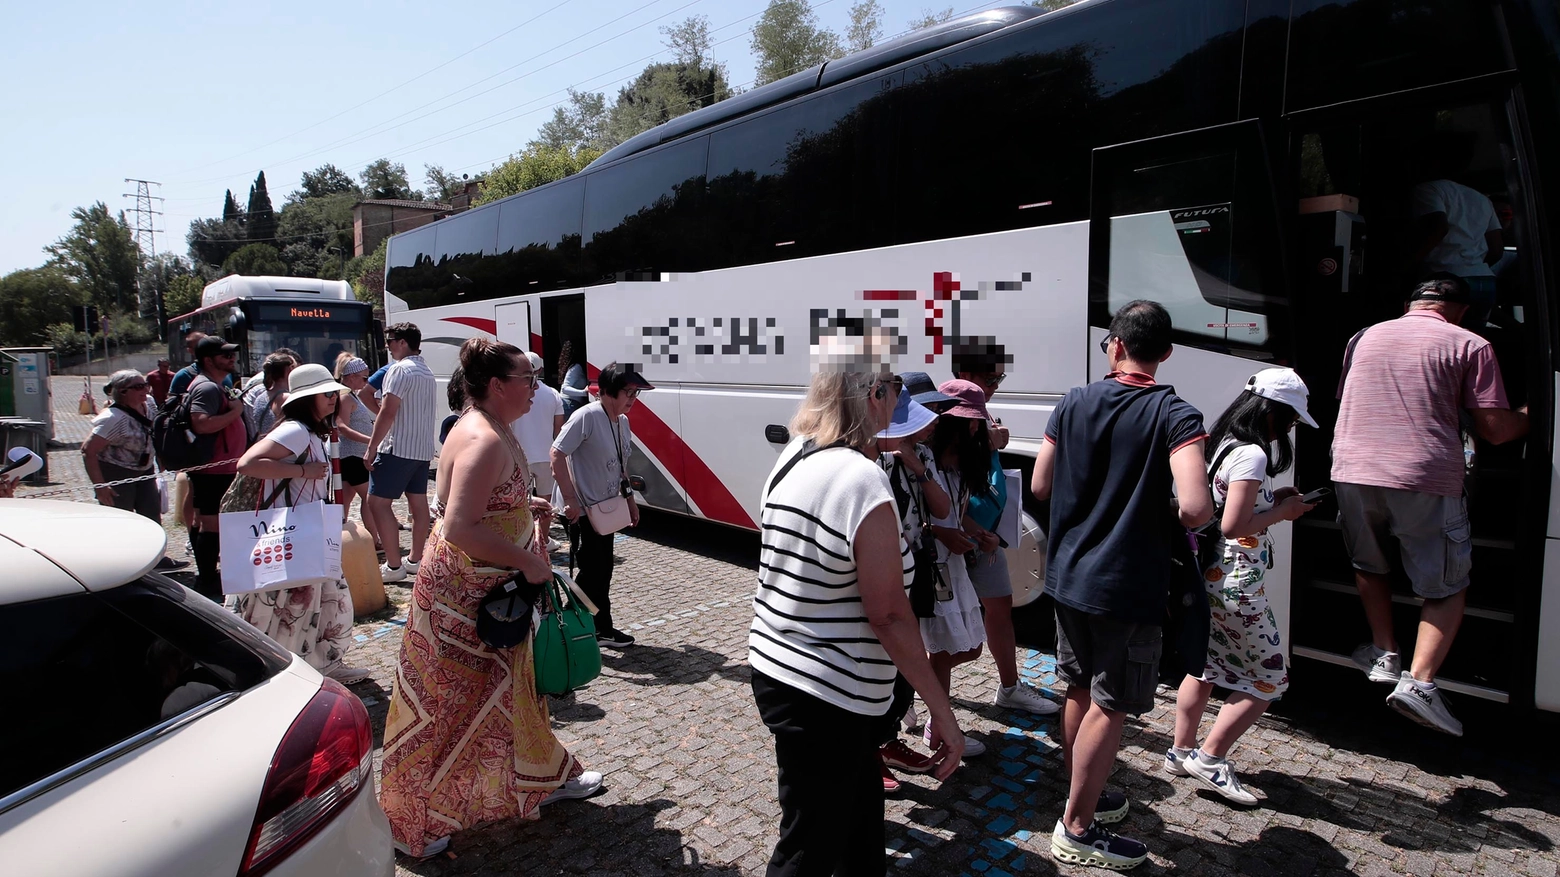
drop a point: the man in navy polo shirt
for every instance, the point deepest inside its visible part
(1112, 451)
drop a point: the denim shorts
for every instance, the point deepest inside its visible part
(1432, 534)
(989, 575)
(393, 476)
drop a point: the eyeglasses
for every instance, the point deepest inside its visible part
(530, 379)
(634, 392)
(994, 379)
(1105, 344)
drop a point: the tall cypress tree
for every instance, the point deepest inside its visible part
(261, 225)
(230, 208)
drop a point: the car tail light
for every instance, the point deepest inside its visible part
(326, 758)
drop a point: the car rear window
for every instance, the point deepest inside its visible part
(89, 671)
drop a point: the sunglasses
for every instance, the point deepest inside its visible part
(1105, 344)
(880, 388)
(634, 392)
(530, 379)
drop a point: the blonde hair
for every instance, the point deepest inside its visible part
(837, 406)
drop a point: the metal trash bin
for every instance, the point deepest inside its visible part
(30, 434)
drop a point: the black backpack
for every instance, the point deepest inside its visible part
(173, 438)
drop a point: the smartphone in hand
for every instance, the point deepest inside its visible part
(1316, 495)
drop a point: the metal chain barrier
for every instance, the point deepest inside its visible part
(94, 488)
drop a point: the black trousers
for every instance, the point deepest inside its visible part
(831, 790)
(592, 554)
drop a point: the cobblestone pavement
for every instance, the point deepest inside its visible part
(1349, 787)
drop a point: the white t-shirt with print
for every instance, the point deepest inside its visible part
(1244, 462)
(296, 438)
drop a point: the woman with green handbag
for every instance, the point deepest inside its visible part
(468, 739)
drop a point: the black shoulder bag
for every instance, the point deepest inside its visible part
(1187, 622)
(923, 549)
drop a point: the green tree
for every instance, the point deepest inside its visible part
(100, 254)
(261, 222)
(534, 167)
(367, 274)
(30, 300)
(1052, 5)
(183, 294)
(230, 211)
(577, 125)
(662, 92)
(211, 241)
(385, 179)
(254, 259)
(788, 39)
(866, 25)
(930, 17)
(442, 185)
(691, 44)
(327, 179)
(310, 228)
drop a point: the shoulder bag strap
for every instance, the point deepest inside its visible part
(808, 449)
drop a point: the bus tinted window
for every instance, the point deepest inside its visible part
(539, 238)
(462, 270)
(408, 266)
(646, 214)
(1345, 49)
(1029, 106)
(814, 177)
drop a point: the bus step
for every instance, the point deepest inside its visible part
(1412, 600)
(1466, 688)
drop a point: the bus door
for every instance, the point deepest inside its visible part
(1190, 221)
(514, 324)
(1370, 184)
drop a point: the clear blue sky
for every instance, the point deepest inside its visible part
(202, 96)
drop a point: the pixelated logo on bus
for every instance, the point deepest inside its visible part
(752, 339)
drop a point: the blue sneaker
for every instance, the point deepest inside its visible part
(1099, 847)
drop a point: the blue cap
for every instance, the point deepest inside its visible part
(924, 391)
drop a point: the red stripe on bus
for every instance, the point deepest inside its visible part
(481, 325)
(704, 488)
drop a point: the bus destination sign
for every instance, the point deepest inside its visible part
(307, 312)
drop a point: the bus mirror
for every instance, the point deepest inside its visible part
(237, 322)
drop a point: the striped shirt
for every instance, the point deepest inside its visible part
(1404, 382)
(412, 434)
(809, 628)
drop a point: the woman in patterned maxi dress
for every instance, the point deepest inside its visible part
(468, 740)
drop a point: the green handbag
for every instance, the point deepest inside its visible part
(565, 649)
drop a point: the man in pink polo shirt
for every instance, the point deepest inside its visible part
(1398, 464)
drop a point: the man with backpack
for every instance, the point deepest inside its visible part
(217, 421)
(1112, 451)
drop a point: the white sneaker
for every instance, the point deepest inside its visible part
(582, 786)
(1428, 708)
(392, 573)
(346, 675)
(972, 748)
(912, 720)
(1175, 762)
(409, 565)
(1385, 668)
(554, 546)
(1026, 697)
(432, 849)
(1218, 776)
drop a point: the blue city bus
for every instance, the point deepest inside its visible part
(1016, 176)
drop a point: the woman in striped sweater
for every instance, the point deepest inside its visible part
(832, 623)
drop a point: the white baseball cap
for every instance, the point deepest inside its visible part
(1282, 385)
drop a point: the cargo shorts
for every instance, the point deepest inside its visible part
(1432, 533)
(1118, 661)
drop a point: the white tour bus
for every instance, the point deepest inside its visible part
(1015, 177)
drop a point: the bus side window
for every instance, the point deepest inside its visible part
(1189, 221)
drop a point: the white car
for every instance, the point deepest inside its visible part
(149, 732)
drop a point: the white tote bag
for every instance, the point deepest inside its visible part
(280, 547)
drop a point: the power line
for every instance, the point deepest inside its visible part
(393, 88)
(384, 127)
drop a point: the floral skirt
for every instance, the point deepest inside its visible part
(1244, 650)
(314, 621)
